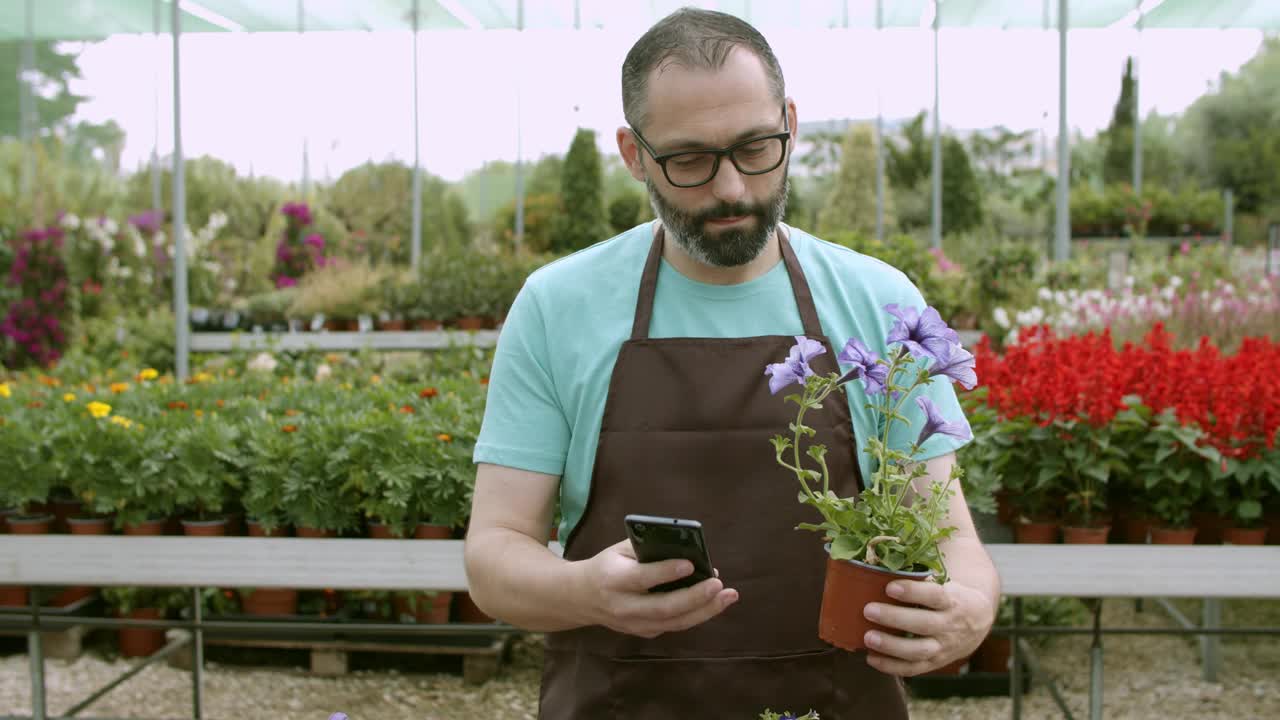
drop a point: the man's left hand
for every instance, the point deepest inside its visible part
(949, 624)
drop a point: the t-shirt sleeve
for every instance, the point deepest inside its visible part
(940, 390)
(524, 423)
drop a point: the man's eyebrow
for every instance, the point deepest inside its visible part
(686, 144)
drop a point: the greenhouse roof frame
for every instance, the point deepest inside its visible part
(92, 19)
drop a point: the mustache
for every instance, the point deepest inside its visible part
(724, 211)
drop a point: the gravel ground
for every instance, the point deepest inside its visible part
(1147, 677)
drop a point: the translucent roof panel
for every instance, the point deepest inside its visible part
(76, 19)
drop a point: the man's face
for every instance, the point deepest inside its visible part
(727, 221)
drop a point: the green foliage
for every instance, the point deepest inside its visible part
(1117, 165)
(911, 162)
(541, 220)
(1004, 276)
(583, 221)
(127, 599)
(57, 70)
(625, 211)
(374, 202)
(850, 204)
(962, 203)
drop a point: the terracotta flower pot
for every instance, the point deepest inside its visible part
(427, 325)
(310, 532)
(4, 519)
(142, 642)
(263, 602)
(255, 530)
(31, 524)
(428, 611)
(432, 531)
(470, 322)
(1244, 536)
(1041, 533)
(382, 531)
(1085, 535)
(147, 528)
(205, 528)
(1173, 536)
(465, 610)
(393, 325)
(848, 587)
(993, 655)
(1135, 529)
(13, 596)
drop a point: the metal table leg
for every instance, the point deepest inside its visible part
(1015, 672)
(36, 653)
(1211, 645)
(1095, 664)
(197, 653)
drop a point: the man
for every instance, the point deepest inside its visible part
(629, 378)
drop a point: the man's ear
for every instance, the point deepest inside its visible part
(794, 121)
(629, 149)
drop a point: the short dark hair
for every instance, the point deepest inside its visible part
(694, 38)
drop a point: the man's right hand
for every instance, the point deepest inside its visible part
(616, 587)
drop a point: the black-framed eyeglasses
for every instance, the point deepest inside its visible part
(754, 156)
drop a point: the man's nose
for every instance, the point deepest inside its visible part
(728, 184)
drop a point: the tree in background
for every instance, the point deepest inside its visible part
(962, 206)
(583, 222)
(55, 103)
(908, 164)
(851, 200)
(1117, 164)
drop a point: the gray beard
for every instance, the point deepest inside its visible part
(730, 248)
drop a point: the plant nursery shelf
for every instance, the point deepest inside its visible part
(338, 341)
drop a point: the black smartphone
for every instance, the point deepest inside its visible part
(663, 538)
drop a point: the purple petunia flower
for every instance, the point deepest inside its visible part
(148, 222)
(284, 281)
(935, 423)
(956, 364)
(315, 240)
(924, 335)
(866, 366)
(796, 367)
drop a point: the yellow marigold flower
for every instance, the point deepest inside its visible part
(148, 374)
(119, 387)
(199, 413)
(375, 379)
(99, 409)
(5, 391)
(122, 421)
(202, 377)
(69, 397)
(444, 437)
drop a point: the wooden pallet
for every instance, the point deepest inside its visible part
(482, 655)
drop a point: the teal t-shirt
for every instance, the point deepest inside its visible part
(557, 348)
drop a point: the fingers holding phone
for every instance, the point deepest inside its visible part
(640, 592)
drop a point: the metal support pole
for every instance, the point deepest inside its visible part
(28, 118)
(306, 160)
(197, 653)
(879, 119)
(156, 202)
(1229, 216)
(36, 649)
(179, 209)
(1015, 671)
(1062, 235)
(519, 239)
(1273, 249)
(937, 135)
(1211, 645)
(416, 252)
(1137, 109)
(1095, 663)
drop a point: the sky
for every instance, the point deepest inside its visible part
(250, 99)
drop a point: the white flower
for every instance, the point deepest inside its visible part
(70, 222)
(1175, 281)
(323, 372)
(110, 226)
(1045, 293)
(1001, 317)
(1128, 282)
(263, 363)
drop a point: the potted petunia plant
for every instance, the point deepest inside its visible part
(891, 530)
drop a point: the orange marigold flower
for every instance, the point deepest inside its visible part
(428, 392)
(444, 437)
(290, 412)
(290, 428)
(119, 387)
(35, 404)
(178, 405)
(484, 381)
(219, 403)
(406, 409)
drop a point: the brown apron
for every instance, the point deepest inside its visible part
(685, 434)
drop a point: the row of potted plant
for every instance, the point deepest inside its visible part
(1073, 431)
(469, 290)
(1119, 211)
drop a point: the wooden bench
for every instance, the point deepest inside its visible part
(1106, 571)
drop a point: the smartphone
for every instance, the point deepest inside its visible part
(663, 538)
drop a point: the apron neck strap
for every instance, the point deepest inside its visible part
(649, 286)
